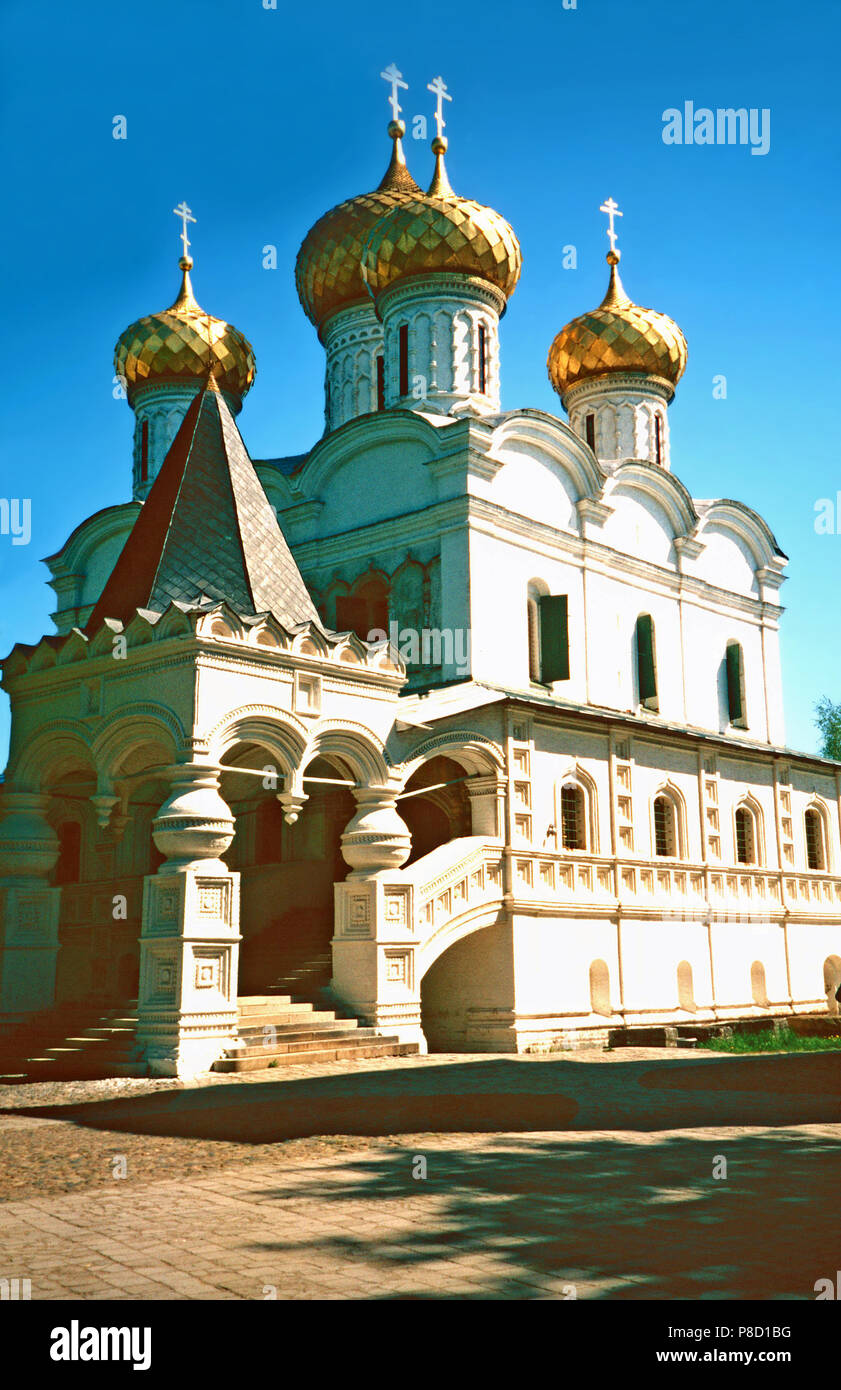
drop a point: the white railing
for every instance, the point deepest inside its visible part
(454, 879)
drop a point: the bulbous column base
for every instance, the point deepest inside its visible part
(376, 838)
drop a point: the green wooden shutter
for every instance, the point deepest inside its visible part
(554, 638)
(734, 682)
(646, 670)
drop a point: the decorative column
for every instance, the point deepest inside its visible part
(487, 805)
(29, 908)
(375, 944)
(189, 946)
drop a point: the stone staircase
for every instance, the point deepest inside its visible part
(277, 1030)
(71, 1043)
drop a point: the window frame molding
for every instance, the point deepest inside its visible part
(670, 792)
(747, 802)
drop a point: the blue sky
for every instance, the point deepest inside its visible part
(262, 119)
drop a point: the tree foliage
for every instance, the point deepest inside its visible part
(828, 720)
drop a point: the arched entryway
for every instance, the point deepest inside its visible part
(442, 813)
(467, 994)
(287, 871)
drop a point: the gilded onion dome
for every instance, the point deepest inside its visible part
(182, 343)
(439, 231)
(327, 273)
(619, 336)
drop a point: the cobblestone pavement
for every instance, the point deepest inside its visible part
(255, 1186)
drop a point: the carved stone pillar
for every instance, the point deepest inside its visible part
(29, 908)
(374, 942)
(189, 946)
(487, 805)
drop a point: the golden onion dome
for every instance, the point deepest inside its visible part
(619, 336)
(327, 273)
(438, 231)
(182, 343)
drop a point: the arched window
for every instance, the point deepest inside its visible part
(646, 662)
(758, 987)
(68, 869)
(815, 839)
(735, 663)
(685, 987)
(547, 616)
(380, 382)
(403, 349)
(658, 439)
(746, 836)
(144, 451)
(666, 830)
(483, 359)
(364, 610)
(600, 988)
(573, 817)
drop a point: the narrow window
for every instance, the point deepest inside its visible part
(745, 836)
(554, 638)
(815, 856)
(646, 662)
(144, 451)
(600, 988)
(590, 430)
(381, 383)
(404, 359)
(736, 684)
(533, 614)
(658, 440)
(665, 836)
(68, 867)
(758, 986)
(572, 818)
(483, 359)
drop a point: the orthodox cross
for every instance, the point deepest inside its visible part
(439, 90)
(393, 75)
(186, 216)
(612, 210)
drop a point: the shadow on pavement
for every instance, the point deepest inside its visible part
(483, 1096)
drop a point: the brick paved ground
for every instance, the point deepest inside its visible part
(239, 1185)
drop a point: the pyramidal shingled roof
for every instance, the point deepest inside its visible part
(206, 530)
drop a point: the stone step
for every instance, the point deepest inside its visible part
(282, 1005)
(302, 1028)
(283, 1019)
(252, 1048)
(384, 1047)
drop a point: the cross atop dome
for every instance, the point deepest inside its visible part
(612, 210)
(393, 75)
(438, 87)
(186, 216)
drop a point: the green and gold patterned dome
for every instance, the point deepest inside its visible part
(182, 343)
(327, 271)
(619, 336)
(438, 231)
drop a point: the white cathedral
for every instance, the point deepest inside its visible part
(467, 722)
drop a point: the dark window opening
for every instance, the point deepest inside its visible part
(364, 611)
(590, 430)
(665, 838)
(404, 359)
(548, 634)
(745, 837)
(144, 451)
(646, 662)
(483, 359)
(735, 662)
(572, 818)
(814, 840)
(380, 383)
(69, 865)
(658, 439)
